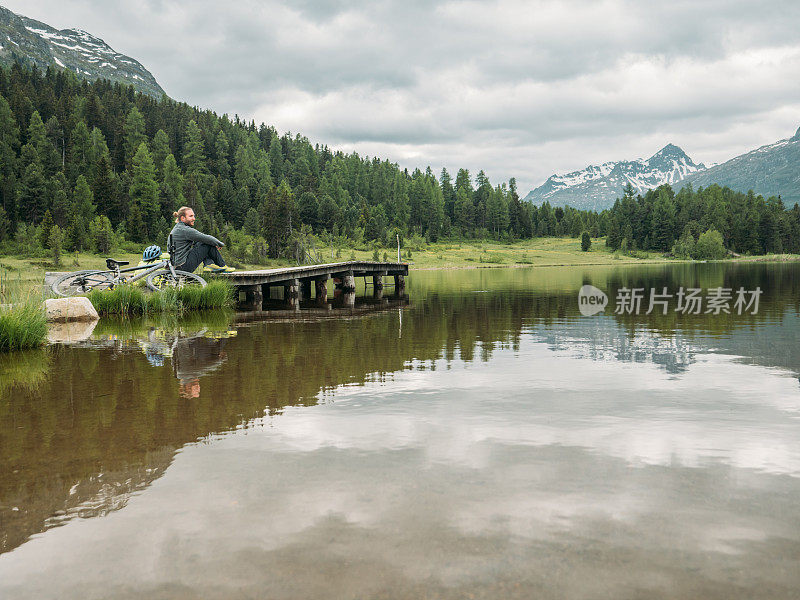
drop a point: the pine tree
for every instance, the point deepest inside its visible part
(44, 230)
(586, 241)
(448, 193)
(134, 134)
(99, 147)
(434, 215)
(5, 225)
(463, 181)
(244, 174)
(9, 141)
(308, 209)
(31, 186)
(263, 172)
(37, 135)
(222, 166)
(172, 186)
(663, 224)
(58, 200)
(143, 194)
(81, 215)
(160, 151)
(102, 234)
(80, 156)
(83, 201)
(104, 189)
(328, 213)
(194, 156)
(276, 159)
(54, 243)
(613, 237)
(464, 211)
(95, 114)
(236, 210)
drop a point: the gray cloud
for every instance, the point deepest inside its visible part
(517, 88)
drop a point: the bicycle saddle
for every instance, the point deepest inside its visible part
(113, 264)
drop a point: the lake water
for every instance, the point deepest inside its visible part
(483, 439)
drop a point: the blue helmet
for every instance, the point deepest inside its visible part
(151, 253)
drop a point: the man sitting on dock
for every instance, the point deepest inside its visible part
(190, 247)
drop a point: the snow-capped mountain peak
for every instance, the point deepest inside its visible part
(770, 170)
(75, 50)
(597, 186)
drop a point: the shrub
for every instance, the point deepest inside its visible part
(710, 246)
(685, 246)
(586, 241)
(54, 241)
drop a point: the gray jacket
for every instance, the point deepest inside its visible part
(184, 237)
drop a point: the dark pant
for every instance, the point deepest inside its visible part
(202, 253)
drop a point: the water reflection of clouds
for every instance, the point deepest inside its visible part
(718, 410)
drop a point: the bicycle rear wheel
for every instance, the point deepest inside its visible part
(82, 282)
(159, 280)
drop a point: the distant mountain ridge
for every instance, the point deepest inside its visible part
(771, 170)
(74, 50)
(597, 186)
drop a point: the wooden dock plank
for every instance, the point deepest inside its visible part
(287, 274)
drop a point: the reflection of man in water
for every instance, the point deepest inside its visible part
(194, 357)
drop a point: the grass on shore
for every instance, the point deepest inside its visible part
(22, 326)
(533, 252)
(132, 300)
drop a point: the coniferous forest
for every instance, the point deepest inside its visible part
(97, 166)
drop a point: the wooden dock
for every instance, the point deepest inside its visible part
(297, 282)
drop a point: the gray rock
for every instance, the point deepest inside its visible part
(70, 309)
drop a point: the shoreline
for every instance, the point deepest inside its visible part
(646, 261)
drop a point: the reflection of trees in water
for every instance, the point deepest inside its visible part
(670, 341)
(608, 341)
(98, 423)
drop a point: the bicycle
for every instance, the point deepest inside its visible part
(157, 276)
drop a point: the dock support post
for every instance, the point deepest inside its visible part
(348, 282)
(377, 284)
(321, 291)
(291, 293)
(305, 289)
(399, 285)
(291, 289)
(252, 294)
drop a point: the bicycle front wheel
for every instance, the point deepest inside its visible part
(159, 280)
(82, 282)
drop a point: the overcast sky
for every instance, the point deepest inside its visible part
(521, 89)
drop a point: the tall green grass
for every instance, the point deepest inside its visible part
(132, 300)
(22, 326)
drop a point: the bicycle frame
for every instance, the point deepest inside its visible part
(162, 264)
